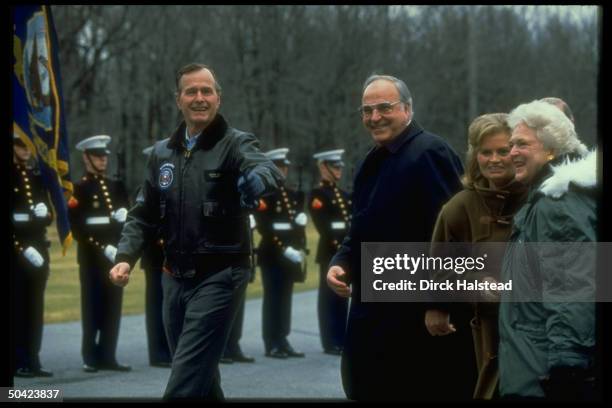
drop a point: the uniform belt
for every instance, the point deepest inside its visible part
(338, 225)
(281, 226)
(97, 220)
(21, 217)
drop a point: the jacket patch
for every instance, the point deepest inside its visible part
(213, 175)
(166, 175)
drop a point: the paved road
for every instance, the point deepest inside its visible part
(317, 376)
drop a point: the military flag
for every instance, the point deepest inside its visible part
(38, 108)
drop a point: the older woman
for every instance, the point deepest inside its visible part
(482, 212)
(546, 348)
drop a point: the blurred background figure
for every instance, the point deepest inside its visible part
(562, 105)
(98, 210)
(31, 214)
(330, 209)
(233, 352)
(151, 262)
(281, 223)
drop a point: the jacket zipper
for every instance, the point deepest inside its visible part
(182, 168)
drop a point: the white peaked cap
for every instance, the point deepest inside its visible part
(98, 142)
(330, 156)
(278, 155)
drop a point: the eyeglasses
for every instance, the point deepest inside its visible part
(383, 108)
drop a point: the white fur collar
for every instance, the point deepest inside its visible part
(582, 172)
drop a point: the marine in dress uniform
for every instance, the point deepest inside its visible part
(151, 262)
(31, 215)
(97, 212)
(233, 352)
(330, 211)
(281, 223)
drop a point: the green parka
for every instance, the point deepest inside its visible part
(536, 336)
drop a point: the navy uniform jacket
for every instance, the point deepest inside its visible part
(330, 208)
(90, 207)
(275, 218)
(28, 230)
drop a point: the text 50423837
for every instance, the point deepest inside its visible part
(8, 394)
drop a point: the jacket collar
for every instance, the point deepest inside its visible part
(566, 170)
(513, 187)
(407, 134)
(501, 203)
(207, 139)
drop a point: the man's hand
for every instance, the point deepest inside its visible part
(336, 280)
(120, 215)
(40, 210)
(438, 323)
(293, 255)
(33, 256)
(488, 295)
(250, 187)
(110, 252)
(120, 274)
(301, 219)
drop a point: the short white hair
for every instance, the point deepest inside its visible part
(552, 127)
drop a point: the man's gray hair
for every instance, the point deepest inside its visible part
(552, 127)
(404, 92)
(193, 67)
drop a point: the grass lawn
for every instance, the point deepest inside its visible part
(63, 293)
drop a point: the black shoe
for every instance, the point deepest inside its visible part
(24, 372)
(276, 352)
(291, 352)
(334, 350)
(240, 357)
(89, 368)
(115, 367)
(41, 372)
(226, 360)
(163, 364)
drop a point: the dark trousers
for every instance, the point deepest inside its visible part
(389, 355)
(159, 352)
(277, 293)
(28, 309)
(332, 310)
(233, 342)
(197, 314)
(100, 314)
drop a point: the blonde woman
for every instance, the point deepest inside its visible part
(482, 212)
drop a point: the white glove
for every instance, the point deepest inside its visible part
(34, 257)
(110, 252)
(293, 255)
(120, 215)
(301, 219)
(252, 222)
(40, 210)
